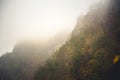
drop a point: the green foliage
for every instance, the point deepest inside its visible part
(26, 58)
(47, 72)
(90, 52)
(88, 55)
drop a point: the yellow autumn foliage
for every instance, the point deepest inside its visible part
(116, 59)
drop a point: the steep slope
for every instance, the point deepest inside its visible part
(93, 52)
(27, 56)
(23, 61)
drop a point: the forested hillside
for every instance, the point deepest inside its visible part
(92, 52)
(27, 56)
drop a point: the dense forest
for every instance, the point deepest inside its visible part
(91, 53)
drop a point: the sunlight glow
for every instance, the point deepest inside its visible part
(21, 19)
(48, 27)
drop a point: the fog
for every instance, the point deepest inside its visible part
(37, 19)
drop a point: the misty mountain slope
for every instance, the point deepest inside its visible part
(27, 56)
(93, 52)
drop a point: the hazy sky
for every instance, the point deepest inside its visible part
(37, 19)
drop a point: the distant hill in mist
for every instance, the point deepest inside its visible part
(92, 52)
(27, 56)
